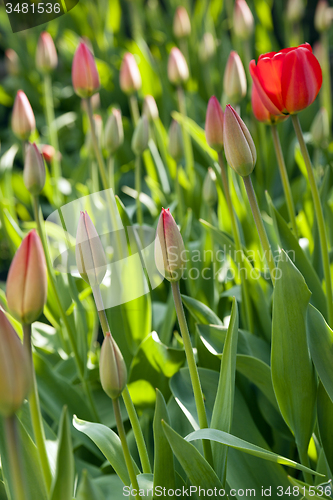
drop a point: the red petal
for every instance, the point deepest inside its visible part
(261, 76)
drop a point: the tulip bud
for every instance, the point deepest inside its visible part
(209, 191)
(26, 288)
(141, 136)
(239, 147)
(89, 252)
(234, 80)
(12, 62)
(34, 170)
(150, 108)
(14, 369)
(48, 152)
(176, 146)
(295, 10)
(177, 67)
(98, 125)
(320, 128)
(181, 23)
(23, 118)
(114, 132)
(207, 47)
(85, 76)
(129, 77)
(323, 16)
(214, 124)
(112, 368)
(169, 248)
(243, 20)
(46, 54)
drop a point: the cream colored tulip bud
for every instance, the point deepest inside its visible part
(207, 47)
(129, 77)
(209, 191)
(177, 67)
(150, 108)
(46, 54)
(323, 16)
(140, 136)
(169, 248)
(181, 23)
(34, 170)
(243, 20)
(114, 132)
(89, 252)
(112, 368)
(234, 80)
(23, 118)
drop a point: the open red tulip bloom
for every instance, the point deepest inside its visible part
(287, 81)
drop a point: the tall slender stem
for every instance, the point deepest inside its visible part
(134, 108)
(326, 95)
(111, 172)
(186, 136)
(239, 249)
(284, 178)
(319, 217)
(260, 226)
(198, 395)
(179, 195)
(35, 412)
(127, 455)
(138, 190)
(15, 458)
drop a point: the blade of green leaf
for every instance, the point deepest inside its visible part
(325, 423)
(88, 490)
(63, 480)
(200, 312)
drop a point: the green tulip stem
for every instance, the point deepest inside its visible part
(133, 416)
(304, 458)
(111, 172)
(53, 136)
(188, 151)
(80, 369)
(15, 458)
(326, 95)
(127, 455)
(260, 226)
(319, 217)
(284, 178)
(179, 195)
(239, 249)
(196, 385)
(134, 108)
(35, 412)
(139, 216)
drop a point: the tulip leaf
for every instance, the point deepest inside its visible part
(293, 375)
(224, 401)
(63, 480)
(200, 312)
(87, 489)
(241, 445)
(325, 423)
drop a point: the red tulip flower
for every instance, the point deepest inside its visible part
(261, 112)
(287, 81)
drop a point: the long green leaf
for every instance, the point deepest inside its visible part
(325, 423)
(87, 490)
(63, 481)
(200, 312)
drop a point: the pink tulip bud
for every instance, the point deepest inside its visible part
(295, 10)
(114, 132)
(234, 80)
(129, 77)
(214, 124)
(48, 152)
(323, 16)
(23, 118)
(239, 147)
(85, 76)
(112, 368)
(243, 20)
(34, 170)
(177, 67)
(89, 252)
(169, 248)
(207, 47)
(14, 369)
(141, 136)
(181, 23)
(26, 288)
(12, 62)
(176, 146)
(46, 54)
(150, 108)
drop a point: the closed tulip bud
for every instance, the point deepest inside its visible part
(12, 62)
(114, 132)
(89, 252)
(209, 191)
(239, 147)
(207, 47)
(112, 368)
(26, 288)
(140, 136)
(177, 67)
(234, 80)
(129, 77)
(320, 128)
(46, 54)
(150, 108)
(243, 20)
(176, 146)
(181, 23)
(169, 248)
(34, 170)
(323, 16)
(23, 118)
(295, 10)
(85, 76)
(14, 369)
(214, 124)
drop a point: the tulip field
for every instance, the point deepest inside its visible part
(166, 248)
